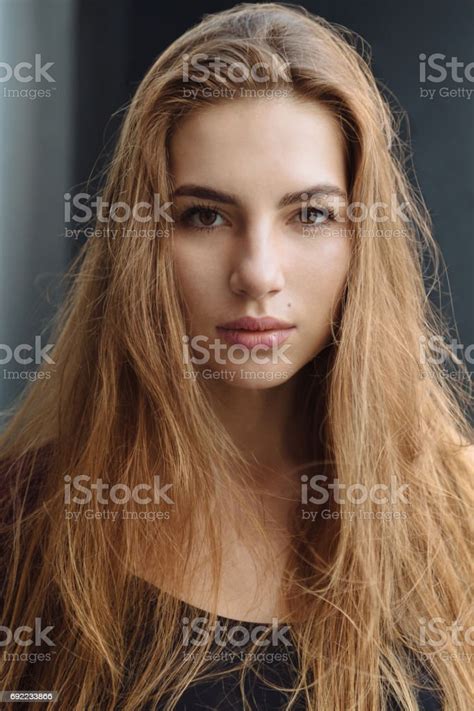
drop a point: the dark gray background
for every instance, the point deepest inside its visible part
(101, 50)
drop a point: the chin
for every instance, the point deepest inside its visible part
(257, 384)
(251, 379)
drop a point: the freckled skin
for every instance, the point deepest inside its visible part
(256, 259)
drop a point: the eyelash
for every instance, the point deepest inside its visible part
(190, 212)
(328, 212)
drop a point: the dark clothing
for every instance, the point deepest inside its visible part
(274, 663)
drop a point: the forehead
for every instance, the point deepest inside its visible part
(255, 147)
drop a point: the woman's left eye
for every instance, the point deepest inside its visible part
(313, 215)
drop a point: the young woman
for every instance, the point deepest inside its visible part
(245, 483)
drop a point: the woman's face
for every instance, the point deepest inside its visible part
(254, 238)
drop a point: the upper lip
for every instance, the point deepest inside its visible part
(248, 323)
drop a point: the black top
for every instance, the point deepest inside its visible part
(276, 663)
(272, 663)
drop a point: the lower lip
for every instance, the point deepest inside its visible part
(268, 339)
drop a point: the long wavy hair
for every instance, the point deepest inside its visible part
(116, 407)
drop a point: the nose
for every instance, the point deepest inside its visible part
(257, 270)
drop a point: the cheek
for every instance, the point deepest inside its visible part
(329, 251)
(197, 275)
(323, 274)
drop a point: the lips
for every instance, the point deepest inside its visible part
(248, 331)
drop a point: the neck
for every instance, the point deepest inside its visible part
(265, 424)
(269, 428)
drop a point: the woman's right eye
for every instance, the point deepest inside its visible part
(202, 218)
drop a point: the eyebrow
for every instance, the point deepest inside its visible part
(205, 193)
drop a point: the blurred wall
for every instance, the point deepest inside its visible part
(101, 50)
(36, 165)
